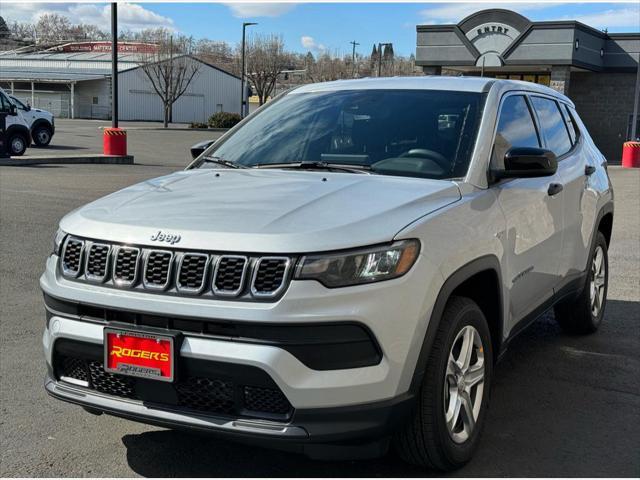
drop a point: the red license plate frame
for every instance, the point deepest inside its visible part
(140, 354)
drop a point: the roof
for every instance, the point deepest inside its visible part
(72, 56)
(460, 84)
(65, 75)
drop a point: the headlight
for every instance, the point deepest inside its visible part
(368, 265)
(57, 241)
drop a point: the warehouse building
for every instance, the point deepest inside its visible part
(596, 69)
(76, 83)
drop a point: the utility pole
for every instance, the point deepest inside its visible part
(114, 65)
(380, 45)
(636, 100)
(243, 75)
(353, 58)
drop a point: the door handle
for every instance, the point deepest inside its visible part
(554, 189)
(589, 170)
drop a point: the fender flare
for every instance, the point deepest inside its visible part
(21, 129)
(457, 278)
(40, 122)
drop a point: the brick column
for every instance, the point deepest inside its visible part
(560, 78)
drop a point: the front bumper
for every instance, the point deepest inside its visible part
(329, 406)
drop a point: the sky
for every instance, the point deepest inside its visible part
(320, 27)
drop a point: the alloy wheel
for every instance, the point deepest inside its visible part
(598, 281)
(17, 145)
(464, 384)
(43, 136)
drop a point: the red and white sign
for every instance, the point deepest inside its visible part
(123, 47)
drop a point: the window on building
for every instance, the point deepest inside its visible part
(219, 107)
(515, 128)
(552, 125)
(94, 101)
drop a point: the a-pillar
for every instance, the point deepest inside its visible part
(33, 95)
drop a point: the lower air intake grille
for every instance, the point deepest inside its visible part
(211, 395)
(72, 257)
(265, 400)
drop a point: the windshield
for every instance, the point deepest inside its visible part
(417, 133)
(18, 103)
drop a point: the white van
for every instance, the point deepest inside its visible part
(41, 122)
(16, 135)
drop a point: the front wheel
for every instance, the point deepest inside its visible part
(42, 136)
(445, 429)
(17, 144)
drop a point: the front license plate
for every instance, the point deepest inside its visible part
(139, 354)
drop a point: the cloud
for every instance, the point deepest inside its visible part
(130, 16)
(252, 10)
(310, 44)
(622, 17)
(454, 12)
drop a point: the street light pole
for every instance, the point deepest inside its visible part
(243, 90)
(380, 45)
(114, 65)
(353, 58)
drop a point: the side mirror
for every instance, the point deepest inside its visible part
(13, 110)
(198, 148)
(27, 108)
(528, 162)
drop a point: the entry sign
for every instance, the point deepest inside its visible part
(139, 354)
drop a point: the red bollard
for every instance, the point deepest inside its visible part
(631, 155)
(114, 141)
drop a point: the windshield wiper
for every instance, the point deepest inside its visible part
(222, 161)
(316, 165)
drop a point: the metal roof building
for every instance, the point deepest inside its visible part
(78, 85)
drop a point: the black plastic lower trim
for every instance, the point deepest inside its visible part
(320, 346)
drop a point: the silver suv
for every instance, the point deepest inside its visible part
(338, 272)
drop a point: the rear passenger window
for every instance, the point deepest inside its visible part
(552, 125)
(515, 128)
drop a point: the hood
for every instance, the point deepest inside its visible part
(252, 210)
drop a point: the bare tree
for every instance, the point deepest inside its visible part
(266, 59)
(170, 70)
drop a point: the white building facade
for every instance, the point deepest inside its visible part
(78, 85)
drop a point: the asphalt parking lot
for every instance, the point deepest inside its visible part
(561, 405)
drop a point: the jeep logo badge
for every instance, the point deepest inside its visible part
(171, 238)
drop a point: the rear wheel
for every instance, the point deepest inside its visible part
(584, 314)
(445, 429)
(42, 136)
(17, 144)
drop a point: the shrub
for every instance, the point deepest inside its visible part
(224, 120)
(198, 125)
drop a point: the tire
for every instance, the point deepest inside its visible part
(42, 135)
(17, 143)
(427, 440)
(583, 314)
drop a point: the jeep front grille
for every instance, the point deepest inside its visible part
(157, 267)
(189, 273)
(72, 257)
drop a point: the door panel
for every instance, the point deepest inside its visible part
(533, 241)
(534, 217)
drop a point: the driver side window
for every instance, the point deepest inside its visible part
(515, 129)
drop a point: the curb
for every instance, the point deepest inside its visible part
(68, 160)
(175, 129)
